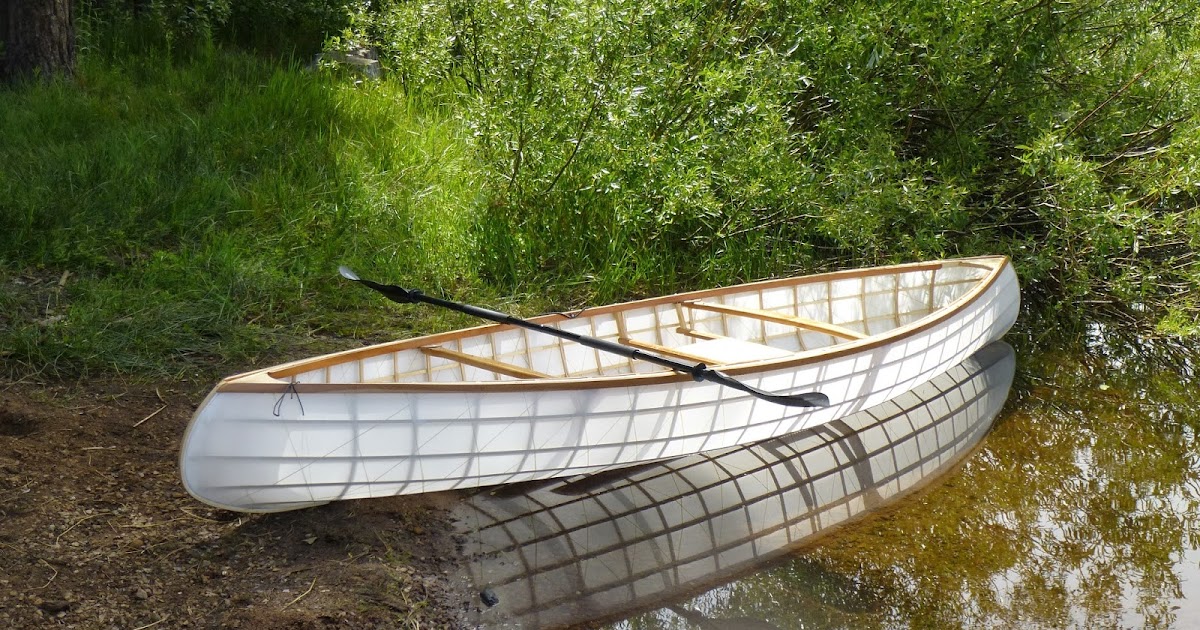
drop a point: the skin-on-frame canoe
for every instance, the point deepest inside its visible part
(578, 552)
(501, 404)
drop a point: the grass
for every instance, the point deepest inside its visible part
(201, 208)
(549, 156)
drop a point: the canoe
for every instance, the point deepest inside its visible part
(592, 549)
(499, 404)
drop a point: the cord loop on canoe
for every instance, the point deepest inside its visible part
(290, 389)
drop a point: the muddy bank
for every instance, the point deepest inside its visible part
(96, 531)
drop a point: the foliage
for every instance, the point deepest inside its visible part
(581, 152)
(743, 139)
(204, 224)
(276, 26)
(178, 23)
(286, 26)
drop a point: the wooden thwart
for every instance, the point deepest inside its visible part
(664, 350)
(698, 334)
(778, 318)
(491, 365)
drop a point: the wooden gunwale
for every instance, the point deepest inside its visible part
(273, 379)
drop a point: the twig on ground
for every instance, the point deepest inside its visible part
(48, 566)
(386, 546)
(151, 524)
(4, 498)
(27, 377)
(198, 517)
(301, 595)
(155, 413)
(89, 516)
(151, 625)
(352, 558)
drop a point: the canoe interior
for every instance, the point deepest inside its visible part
(724, 327)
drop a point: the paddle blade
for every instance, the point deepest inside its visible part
(807, 399)
(348, 273)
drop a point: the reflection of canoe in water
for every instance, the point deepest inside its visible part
(580, 551)
(499, 404)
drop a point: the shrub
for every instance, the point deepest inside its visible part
(680, 142)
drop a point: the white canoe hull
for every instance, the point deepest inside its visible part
(271, 446)
(592, 549)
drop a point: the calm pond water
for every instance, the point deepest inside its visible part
(1074, 505)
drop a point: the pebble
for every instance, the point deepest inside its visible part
(55, 606)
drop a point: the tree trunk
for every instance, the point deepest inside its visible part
(39, 39)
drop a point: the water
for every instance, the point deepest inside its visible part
(1076, 506)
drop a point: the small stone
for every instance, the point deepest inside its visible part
(141, 594)
(489, 597)
(55, 606)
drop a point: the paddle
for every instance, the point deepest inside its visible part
(698, 371)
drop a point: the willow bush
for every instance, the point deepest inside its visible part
(183, 203)
(641, 146)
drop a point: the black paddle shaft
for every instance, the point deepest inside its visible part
(698, 371)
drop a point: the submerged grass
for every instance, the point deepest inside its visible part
(201, 208)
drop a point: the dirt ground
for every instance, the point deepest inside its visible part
(96, 531)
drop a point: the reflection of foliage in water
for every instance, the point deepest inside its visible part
(1085, 491)
(1075, 512)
